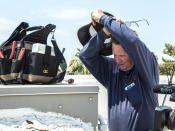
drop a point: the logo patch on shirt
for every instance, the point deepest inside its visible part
(129, 86)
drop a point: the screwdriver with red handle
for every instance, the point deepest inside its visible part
(21, 54)
(1, 54)
(13, 50)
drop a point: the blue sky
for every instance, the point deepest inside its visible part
(69, 16)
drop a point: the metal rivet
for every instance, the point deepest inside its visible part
(90, 98)
(60, 106)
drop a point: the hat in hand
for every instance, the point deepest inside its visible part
(87, 31)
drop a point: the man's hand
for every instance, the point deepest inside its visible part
(96, 15)
(106, 32)
(118, 20)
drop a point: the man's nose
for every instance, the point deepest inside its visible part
(118, 60)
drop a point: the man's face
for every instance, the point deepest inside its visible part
(121, 57)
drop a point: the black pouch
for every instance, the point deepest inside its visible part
(41, 68)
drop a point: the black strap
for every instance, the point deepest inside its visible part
(47, 56)
(34, 28)
(40, 35)
(62, 62)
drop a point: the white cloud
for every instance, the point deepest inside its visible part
(62, 32)
(70, 14)
(6, 28)
(6, 24)
(3, 38)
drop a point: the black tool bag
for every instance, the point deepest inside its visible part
(20, 65)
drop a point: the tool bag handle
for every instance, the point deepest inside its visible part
(16, 35)
(20, 32)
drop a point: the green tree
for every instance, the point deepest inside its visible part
(169, 50)
(76, 66)
(167, 65)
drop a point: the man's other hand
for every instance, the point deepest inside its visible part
(118, 20)
(96, 15)
(106, 32)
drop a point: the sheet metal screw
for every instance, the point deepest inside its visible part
(90, 98)
(60, 107)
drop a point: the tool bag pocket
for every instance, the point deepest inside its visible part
(16, 68)
(41, 68)
(5, 69)
(9, 70)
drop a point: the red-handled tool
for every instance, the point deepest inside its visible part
(13, 50)
(21, 53)
(1, 55)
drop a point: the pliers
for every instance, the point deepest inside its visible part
(13, 50)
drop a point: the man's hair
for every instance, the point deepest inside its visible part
(113, 40)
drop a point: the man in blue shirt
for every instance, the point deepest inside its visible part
(128, 77)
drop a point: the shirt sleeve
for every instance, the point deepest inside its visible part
(144, 60)
(98, 65)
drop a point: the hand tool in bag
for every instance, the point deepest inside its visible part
(21, 54)
(1, 54)
(13, 50)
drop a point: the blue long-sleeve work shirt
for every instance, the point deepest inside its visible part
(131, 101)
